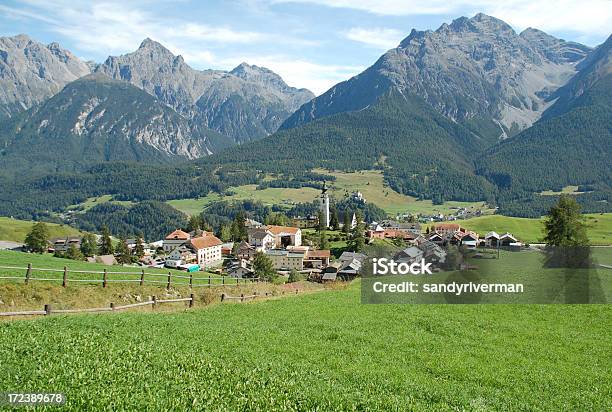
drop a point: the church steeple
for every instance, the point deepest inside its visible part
(324, 205)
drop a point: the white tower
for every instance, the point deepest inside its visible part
(324, 205)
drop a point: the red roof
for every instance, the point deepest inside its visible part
(178, 234)
(206, 241)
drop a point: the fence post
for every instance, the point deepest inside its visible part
(142, 278)
(242, 297)
(112, 306)
(65, 279)
(28, 273)
(208, 280)
(223, 280)
(191, 281)
(169, 280)
(154, 302)
(192, 300)
(222, 297)
(237, 281)
(296, 291)
(104, 279)
(47, 309)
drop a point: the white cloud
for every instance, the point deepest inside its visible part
(586, 16)
(379, 38)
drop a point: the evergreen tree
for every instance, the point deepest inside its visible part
(106, 248)
(139, 248)
(333, 220)
(277, 218)
(564, 226)
(38, 238)
(346, 228)
(123, 252)
(89, 245)
(357, 241)
(225, 232)
(195, 223)
(239, 231)
(263, 267)
(321, 221)
(323, 243)
(74, 253)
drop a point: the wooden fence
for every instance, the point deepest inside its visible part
(105, 277)
(243, 297)
(153, 301)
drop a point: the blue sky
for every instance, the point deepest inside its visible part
(311, 43)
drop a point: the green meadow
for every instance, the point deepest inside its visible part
(16, 230)
(322, 351)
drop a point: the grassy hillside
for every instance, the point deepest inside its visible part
(369, 182)
(16, 230)
(530, 230)
(323, 351)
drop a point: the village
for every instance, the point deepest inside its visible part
(291, 249)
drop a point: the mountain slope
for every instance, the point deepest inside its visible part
(97, 119)
(31, 72)
(247, 103)
(571, 148)
(475, 71)
(421, 152)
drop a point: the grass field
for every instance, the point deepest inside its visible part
(368, 182)
(94, 201)
(16, 230)
(322, 351)
(48, 261)
(530, 230)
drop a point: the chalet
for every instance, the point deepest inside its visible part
(226, 248)
(240, 269)
(175, 239)
(181, 255)
(409, 255)
(285, 259)
(63, 244)
(207, 249)
(285, 235)
(382, 233)
(261, 238)
(470, 240)
(317, 259)
(250, 223)
(433, 252)
(436, 238)
(507, 240)
(412, 227)
(245, 251)
(350, 264)
(447, 229)
(492, 239)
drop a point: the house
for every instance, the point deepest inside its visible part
(63, 244)
(245, 251)
(261, 238)
(412, 227)
(181, 255)
(207, 249)
(492, 239)
(507, 240)
(436, 238)
(329, 276)
(250, 223)
(285, 235)
(175, 239)
(382, 233)
(447, 229)
(239, 272)
(286, 260)
(305, 222)
(470, 240)
(433, 252)
(409, 255)
(317, 259)
(350, 264)
(226, 248)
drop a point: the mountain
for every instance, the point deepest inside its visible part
(477, 71)
(31, 72)
(570, 145)
(422, 152)
(96, 119)
(247, 103)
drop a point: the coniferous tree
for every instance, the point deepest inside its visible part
(263, 267)
(123, 252)
(333, 221)
(239, 231)
(106, 247)
(357, 241)
(564, 225)
(346, 228)
(89, 245)
(139, 248)
(73, 253)
(225, 232)
(38, 238)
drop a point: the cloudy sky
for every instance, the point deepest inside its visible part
(311, 43)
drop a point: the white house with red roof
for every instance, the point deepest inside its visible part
(175, 239)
